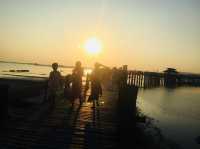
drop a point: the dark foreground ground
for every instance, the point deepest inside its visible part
(35, 124)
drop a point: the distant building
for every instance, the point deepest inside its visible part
(171, 71)
(170, 77)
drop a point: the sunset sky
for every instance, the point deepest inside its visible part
(144, 34)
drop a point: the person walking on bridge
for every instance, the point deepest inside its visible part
(54, 83)
(77, 75)
(96, 89)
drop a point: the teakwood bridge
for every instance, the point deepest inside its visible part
(168, 79)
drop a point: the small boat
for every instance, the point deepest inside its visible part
(19, 70)
(22, 70)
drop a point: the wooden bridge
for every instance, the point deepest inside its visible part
(145, 79)
(79, 127)
(156, 79)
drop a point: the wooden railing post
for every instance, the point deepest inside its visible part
(127, 102)
(127, 114)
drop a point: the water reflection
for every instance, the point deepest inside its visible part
(177, 111)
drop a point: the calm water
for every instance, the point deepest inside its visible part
(34, 70)
(176, 113)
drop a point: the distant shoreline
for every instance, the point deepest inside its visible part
(38, 64)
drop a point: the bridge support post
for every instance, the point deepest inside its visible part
(127, 114)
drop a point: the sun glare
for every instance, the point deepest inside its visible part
(93, 46)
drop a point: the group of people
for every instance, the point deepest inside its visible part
(72, 84)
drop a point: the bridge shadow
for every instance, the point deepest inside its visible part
(72, 123)
(92, 131)
(62, 135)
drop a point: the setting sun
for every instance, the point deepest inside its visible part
(93, 46)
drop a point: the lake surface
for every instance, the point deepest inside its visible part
(175, 111)
(34, 70)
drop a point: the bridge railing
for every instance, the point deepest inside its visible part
(145, 79)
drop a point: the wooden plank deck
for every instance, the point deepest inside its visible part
(80, 127)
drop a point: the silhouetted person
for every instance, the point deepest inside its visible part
(77, 75)
(114, 78)
(96, 89)
(124, 75)
(54, 83)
